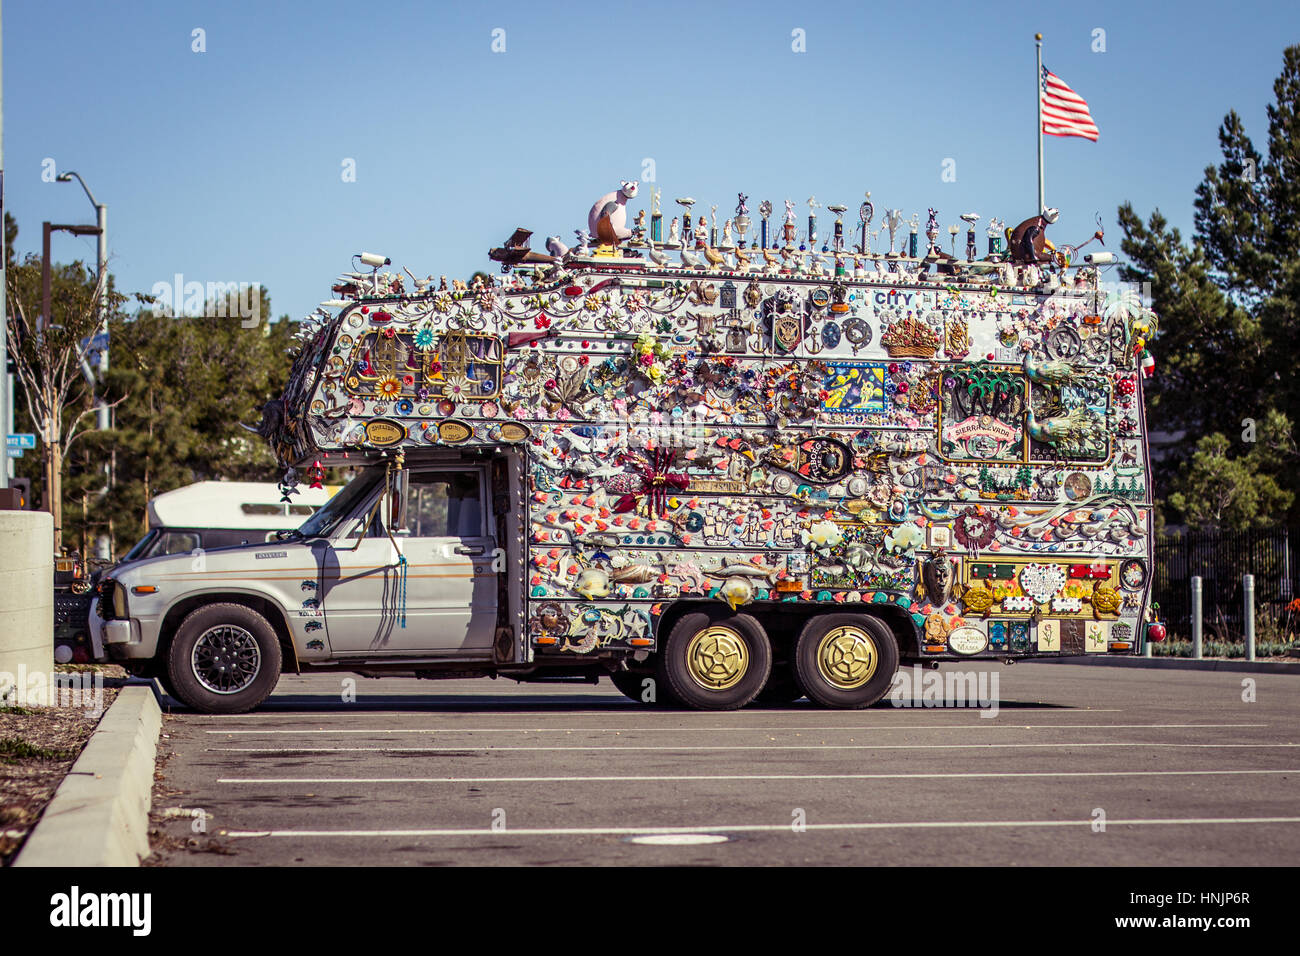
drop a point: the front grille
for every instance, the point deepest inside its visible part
(104, 606)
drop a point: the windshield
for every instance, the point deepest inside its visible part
(141, 546)
(341, 505)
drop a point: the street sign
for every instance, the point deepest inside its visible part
(21, 440)
(14, 452)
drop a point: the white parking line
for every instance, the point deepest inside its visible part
(982, 725)
(759, 776)
(347, 712)
(668, 749)
(758, 828)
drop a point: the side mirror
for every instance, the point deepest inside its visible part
(397, 505)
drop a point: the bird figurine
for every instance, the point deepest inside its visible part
(420, 284)
(690, 260)
(716, 258)
(584, 242)
(1073, 428)
(742, 260)
(658, 257)
(771, 259)
(1051, 372)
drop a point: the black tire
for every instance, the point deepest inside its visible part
(239, 649)
(740, 646)
(781, 687)
(866, 635)
(632, 685)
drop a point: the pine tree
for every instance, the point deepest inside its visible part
(1228, 306)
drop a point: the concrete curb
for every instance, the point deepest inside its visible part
(100, 814)
(1178, 664)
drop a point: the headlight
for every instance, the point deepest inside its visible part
(112, 600)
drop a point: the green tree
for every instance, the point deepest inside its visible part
(1216, 490)
(188, 385)
(1228, 304)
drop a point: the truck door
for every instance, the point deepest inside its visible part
(447, 593)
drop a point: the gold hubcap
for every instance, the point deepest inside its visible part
(847, 657)
(717, 658)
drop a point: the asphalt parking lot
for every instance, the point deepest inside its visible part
(1080, 766)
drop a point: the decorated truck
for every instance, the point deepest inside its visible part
(711, 466)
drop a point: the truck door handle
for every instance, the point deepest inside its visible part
(471, 549)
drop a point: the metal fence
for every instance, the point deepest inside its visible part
(1220, 558)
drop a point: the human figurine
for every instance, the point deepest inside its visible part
(726, 235)
(701, 233)
(674, 232)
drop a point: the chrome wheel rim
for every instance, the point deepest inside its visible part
(847, 657)
(717, 658)
(226, 659)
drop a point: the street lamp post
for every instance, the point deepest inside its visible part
(103, 419)
(101, 220)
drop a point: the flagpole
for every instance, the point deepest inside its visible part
(1038, 108)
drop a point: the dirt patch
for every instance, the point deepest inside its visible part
(40, 739)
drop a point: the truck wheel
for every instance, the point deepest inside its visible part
(845, 661)
(715, 660)
(633, 685)
(225, 659)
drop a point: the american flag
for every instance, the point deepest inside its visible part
(1065, 113)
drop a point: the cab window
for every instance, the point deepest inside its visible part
(444, 504)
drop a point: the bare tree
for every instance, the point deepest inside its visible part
(50, 356)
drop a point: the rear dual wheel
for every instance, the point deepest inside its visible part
(845, 661)
(716, 660)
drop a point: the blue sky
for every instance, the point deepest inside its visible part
(226, 165)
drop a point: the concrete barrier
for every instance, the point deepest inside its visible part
(26, 596)
(100, 814)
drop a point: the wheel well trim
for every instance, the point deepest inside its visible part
(254, 600)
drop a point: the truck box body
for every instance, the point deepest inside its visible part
(966, 458)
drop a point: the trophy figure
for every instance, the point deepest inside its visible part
(789, 222)
(742, 218)
(865, 212)
(970, 219)
(656, 217)
(994, 232)
(839, 211)
(686, 202)
(893, 219)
